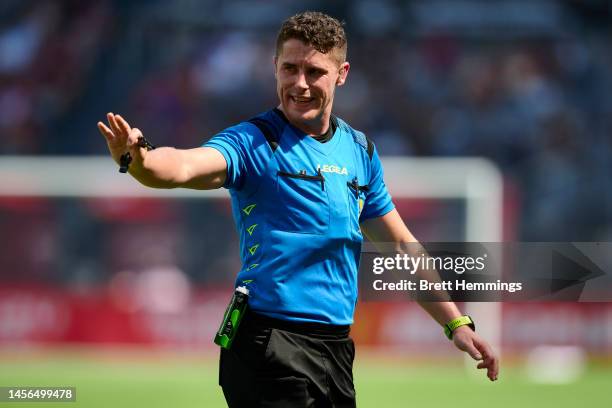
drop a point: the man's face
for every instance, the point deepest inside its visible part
(306, 80)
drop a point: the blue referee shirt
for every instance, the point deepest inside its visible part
(297, 204)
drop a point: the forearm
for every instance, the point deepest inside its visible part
(442, 312)
(390, 229)
(160, 168)
(199, 168)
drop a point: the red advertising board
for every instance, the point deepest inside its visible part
(50, 315)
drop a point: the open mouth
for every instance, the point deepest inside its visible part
(300, 100)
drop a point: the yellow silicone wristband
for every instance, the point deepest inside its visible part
(450, 327)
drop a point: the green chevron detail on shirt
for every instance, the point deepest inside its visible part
(251, 229)
(247, 210)
(246, 282)
(253, 248)
(252, 266)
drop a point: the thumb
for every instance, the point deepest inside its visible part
(133, 136)
(473, 352)
(133, 141)
(136, 151)
(469, 347)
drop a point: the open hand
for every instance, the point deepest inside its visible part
(121, 138)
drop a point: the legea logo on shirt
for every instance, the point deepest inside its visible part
(332, 168)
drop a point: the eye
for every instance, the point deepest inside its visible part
(289, 68)
(315, 72)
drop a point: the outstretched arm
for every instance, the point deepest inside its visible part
(201, 168)
(391, 228)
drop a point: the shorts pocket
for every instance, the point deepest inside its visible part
(284, 392)
(304, 203)
(352, 350)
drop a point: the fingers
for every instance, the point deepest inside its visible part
(118, 130)
(493, 369)
(492, 366)
(123, 125)
(106, 132)
(490, 361)
(113, 124)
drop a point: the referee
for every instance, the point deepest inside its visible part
(305, 188)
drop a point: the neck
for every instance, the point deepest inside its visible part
(314, 127)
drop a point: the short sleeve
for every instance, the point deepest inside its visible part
(243, 155)
(233, 149)
(378, 200)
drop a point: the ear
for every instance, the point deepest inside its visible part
(342, 73)
(275, 62)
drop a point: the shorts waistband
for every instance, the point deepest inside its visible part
(305, 328)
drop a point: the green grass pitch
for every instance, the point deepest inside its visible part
(152, 380)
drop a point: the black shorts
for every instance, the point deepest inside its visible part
(275, 363)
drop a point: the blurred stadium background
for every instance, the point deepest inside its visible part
(120, 296)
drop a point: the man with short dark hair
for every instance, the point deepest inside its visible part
(304, 187)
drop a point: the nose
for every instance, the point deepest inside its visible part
(300, 81)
